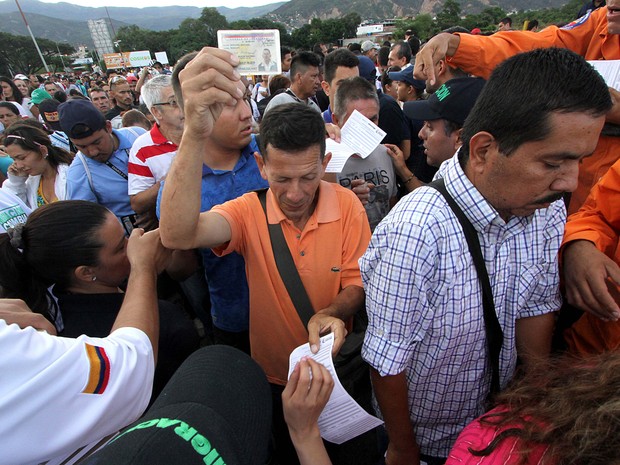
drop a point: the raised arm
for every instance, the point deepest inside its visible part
(208, 82)
(435, 49)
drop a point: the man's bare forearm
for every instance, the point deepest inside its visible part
(180, 204)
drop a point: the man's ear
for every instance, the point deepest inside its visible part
(260, 162)
(84, 273)
(325, 86)
(458, 141)
(482, 148)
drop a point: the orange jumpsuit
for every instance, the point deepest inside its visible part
(587, 36)
(597, 221)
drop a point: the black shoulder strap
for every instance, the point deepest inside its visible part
(286, 266)
(494, 333)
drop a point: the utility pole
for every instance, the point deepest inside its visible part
(32, 36)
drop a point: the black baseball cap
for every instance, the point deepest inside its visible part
(79, 118)
(452, 101)
(215, 409)
(48, 109)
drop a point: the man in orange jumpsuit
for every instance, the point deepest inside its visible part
(595, 36)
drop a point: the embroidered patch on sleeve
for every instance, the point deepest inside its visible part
(99, 370)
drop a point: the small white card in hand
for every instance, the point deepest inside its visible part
(258, 50)
(358, 136)
(342, 418)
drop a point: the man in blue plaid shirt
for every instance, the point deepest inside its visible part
(539, 114)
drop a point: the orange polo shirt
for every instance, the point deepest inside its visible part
(597, 221)
(325, 254)
(586, 36)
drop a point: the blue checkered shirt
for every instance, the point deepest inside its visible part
(424, 300)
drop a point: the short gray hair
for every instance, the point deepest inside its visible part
(151, 91)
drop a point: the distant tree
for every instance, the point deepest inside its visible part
(263, 23)
(213, 19)
(450, 15)
(19, 55)
(134, 38)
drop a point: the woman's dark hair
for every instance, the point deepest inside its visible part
(60, 96)
(11, 107)
(17, 94)
(56, 239)
(29, 137)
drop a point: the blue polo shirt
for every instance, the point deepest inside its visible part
(104, 185)
(228, 287)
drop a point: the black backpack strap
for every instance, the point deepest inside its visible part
(286, 266)
(494, 333)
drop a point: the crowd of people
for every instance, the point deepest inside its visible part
(147, 213)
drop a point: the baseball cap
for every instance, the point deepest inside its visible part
(80, 119)
(23, 77)
(38, 95)
(476, 31)
(48, 109)
(452, 101)
(215, 409)
(369, 45)
(367, 68)
(406, 75)
(131, 78)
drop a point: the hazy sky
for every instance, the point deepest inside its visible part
(198, 3)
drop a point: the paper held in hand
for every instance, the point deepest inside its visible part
(610, 70)
(358, 136)
(258, 50)
(342, 418)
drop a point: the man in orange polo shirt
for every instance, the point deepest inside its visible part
(324, 224)
(595, 36)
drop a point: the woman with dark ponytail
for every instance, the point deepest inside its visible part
(79, 248)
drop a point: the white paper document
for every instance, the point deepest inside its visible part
(358, 136)
(610, 70)
(342, 418)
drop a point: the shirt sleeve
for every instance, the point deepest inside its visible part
(78, 186)
(395, 269)
(16, 185)
(139, 174)
(84, 389)
(540, 282)
(478, 55)
(598, 220)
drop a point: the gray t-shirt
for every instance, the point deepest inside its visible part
(376, 168)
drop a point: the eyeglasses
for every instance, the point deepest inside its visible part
(172, 103)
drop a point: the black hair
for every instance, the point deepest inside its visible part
(302, 61)
(284, 51)
(450, 126)
(10, 106)
(56, 239)
(176, 84)
(30, 138)
(60, 96)
(385, 76)
(382, 55)
(524, 90)
(402, 50)
(293, 127)
(337, 58)
(532, 24)
(507, 20)
(17, 94)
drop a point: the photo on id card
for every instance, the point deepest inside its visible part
(258, 50)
